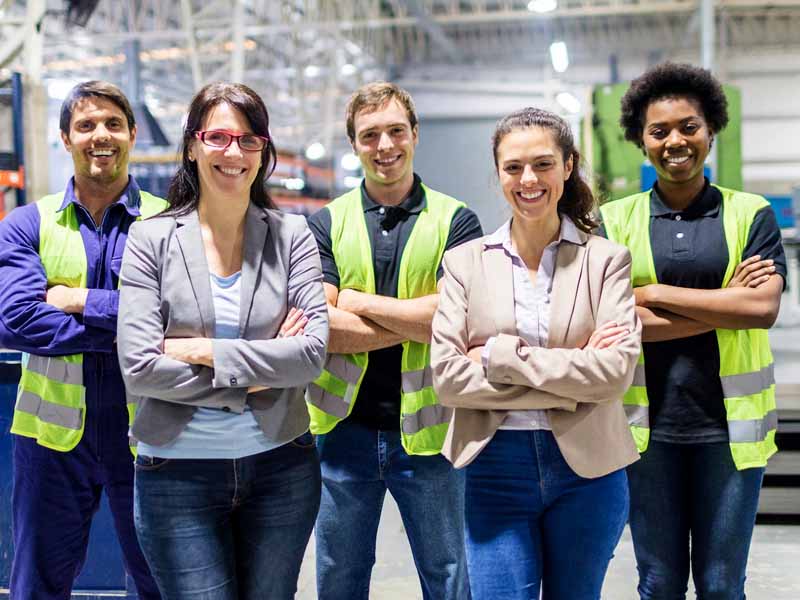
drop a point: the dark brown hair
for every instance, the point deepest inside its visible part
(184, 189)
(374, 96)
(577, 201)
(97, 89)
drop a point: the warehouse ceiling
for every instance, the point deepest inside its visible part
(306, 56)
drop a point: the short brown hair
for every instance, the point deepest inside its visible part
(374, 96)
(99, 89)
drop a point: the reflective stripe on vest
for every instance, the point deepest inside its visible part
(748, 378)
(423, 421)
(51, 397)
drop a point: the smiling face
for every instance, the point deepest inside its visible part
(677, 140)
(385, 142)
(532, 173)
(225, 172)
(99, 140)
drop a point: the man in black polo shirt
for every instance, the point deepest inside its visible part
(378, 422)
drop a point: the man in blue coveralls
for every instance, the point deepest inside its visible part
(59, 268)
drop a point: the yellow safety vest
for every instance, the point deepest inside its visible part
(51, 397)
(423, 421)
(746, 367)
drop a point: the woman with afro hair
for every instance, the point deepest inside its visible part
(708, 271)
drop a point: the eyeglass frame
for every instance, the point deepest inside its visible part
(200, 135)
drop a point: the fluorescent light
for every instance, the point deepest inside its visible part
(294, 183)
(311, 71)
(351, 182)
(559, 56)
(315, 151)
(350, 162)
(542, 6)
(568, 102)
(348, 69)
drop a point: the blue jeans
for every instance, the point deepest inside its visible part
(358, 466)
(221, 529)
(683, 491)
(532, 522)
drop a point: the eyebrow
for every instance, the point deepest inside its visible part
(662, 123)
(398, 124)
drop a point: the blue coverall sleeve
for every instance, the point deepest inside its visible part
(27, 322)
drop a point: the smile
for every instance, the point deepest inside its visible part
(531, 195)
(386, 162)
(101, 153)
(230, 170)
(677, 160)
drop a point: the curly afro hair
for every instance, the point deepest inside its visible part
(671, 80)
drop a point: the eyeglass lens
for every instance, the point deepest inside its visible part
(221, 139)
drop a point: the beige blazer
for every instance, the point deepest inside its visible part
(581, 388)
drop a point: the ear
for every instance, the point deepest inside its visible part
(415, 134)
(65, 140)
(133, 136)
(711, 142)
(568, 166)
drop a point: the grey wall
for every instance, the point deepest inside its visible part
(454, 156)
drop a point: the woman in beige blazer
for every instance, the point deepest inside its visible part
(534, 343)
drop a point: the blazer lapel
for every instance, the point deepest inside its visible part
(569, 270)
(190, 240)
(500, 279)
(255, 235)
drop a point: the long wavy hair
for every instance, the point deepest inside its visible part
(577, 201)
(184, 189)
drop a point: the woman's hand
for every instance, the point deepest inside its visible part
(294, 324)
(607, 335)
(752, 272)
(194, 351)
(475, 354)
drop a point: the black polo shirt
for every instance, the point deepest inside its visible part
(389, 228)
(689, 250)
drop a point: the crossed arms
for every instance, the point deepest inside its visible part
(750, 301)
(362, 322)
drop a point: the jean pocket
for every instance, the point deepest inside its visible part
(305, 440)
(149, 463)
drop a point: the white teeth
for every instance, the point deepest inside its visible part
(101, 152)
(677, 160)
(386, 161)
(532, 195)
(231, 170)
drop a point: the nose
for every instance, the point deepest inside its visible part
(675, 138)
(384, 141)
(101, 132)
(528, 176)
(233, 149)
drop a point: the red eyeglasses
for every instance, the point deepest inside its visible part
(222, 138)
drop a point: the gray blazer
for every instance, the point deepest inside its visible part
(165, 292)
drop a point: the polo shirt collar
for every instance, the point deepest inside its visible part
(705, 204)
(130, 197)
(414, 204)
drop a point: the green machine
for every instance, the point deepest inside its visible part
(618, 164)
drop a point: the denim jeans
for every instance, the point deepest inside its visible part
(358, 465)
(221, 529)
(683, 491)
(531, 522)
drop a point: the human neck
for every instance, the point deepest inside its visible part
(530, 238)
(392, 194)
(680, 196)
(95, 196)
(223, 217)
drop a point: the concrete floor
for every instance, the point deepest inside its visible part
(773, 572)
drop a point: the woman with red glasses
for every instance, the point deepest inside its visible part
(222, 323)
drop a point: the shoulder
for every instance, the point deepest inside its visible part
(603, 250)
(153, 228)
(283, 223)
(465, 254)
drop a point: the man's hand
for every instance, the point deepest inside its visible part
(70, 300)
(352, 301)
(194, 351)
(644, 294)
(752, 272)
